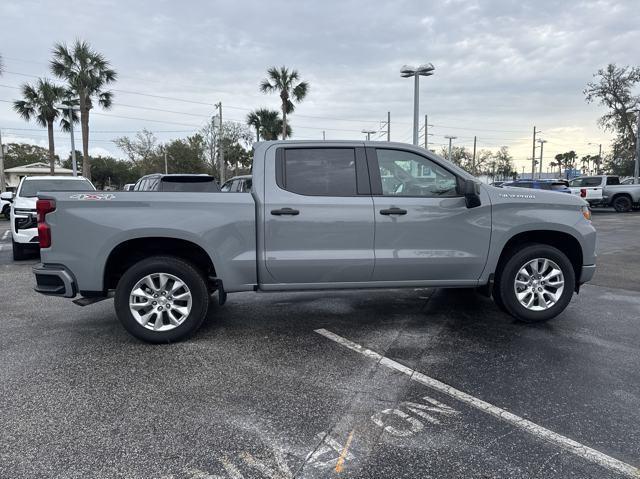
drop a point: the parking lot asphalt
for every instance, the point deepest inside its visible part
(373, 384)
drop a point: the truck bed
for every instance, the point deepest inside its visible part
(222, 224)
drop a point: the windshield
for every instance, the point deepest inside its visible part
(30, 188)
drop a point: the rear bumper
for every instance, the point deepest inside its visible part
(54, 280)
(588, 270)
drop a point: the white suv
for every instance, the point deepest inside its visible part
(24, 221)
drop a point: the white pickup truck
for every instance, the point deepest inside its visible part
(606, 190)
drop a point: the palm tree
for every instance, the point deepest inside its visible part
(286, 84)
(267, 123)
(40, 104)
(254, 120)
(87, 73)
(553, 164)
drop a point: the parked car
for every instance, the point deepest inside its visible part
(177, 182)
(24, 231)
(237, 184)
(560, 186)
(498, 183)
(319, 217)
(128, 187)
(606, 190)
(5, 204)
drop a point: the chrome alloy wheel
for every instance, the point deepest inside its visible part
(160, 302)
(539, 284)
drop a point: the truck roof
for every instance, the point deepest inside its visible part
(54, 177)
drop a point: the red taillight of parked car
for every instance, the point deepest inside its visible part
(583, 193)
(44, 231)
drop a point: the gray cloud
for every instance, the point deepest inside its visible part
(500, 65)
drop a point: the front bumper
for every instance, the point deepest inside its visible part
(588, 270)
(54, 280)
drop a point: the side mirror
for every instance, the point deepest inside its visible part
(470, 189)
(7, 196)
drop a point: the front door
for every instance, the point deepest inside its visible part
(423, 228)
(318, 216)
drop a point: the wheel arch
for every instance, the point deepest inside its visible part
(129, 252)
(563, 241)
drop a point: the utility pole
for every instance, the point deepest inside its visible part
(323, 135)
(416, 107)
(473, 160)
(450, 138)
(166, 168)
(426, 132)
(220, 143)
(636, 169)
(542, 142)
(533, 155)
(3, 186)
(388, 126)
(598, 169)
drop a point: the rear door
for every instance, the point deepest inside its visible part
(424, 231)
(318, 216)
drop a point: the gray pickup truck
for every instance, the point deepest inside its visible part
(320, 216)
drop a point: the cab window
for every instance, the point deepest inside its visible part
(403, 173)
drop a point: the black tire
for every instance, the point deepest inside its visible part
(622, 204)
(19, 251)
(173, 266)
(7, 212)
(509, 271)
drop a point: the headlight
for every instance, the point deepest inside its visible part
(25, 212)
(586, 212)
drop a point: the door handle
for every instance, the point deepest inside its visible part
(285, 211)
(393, 211)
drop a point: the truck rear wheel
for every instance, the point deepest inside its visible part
(536, 283)
(161, 299)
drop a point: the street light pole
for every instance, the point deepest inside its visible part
(70, 109)
(368, 133)
(3, 186)
(533, 155)
(542, 142)
(220, 143)
(408, 72)
(450, 138)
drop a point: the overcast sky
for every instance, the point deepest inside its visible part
(501, 66)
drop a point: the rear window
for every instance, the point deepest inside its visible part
(319, 172)
(192, 184)
(586, 181)
(613, 180)
(30, 188)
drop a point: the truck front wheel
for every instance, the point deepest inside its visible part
(536, 283)
(161, 299)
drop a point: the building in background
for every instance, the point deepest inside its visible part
(15, 174)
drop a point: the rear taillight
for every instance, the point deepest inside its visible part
(44, 231)
(583, 193)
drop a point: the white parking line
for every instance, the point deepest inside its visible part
(6, 234)
(570, 445)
